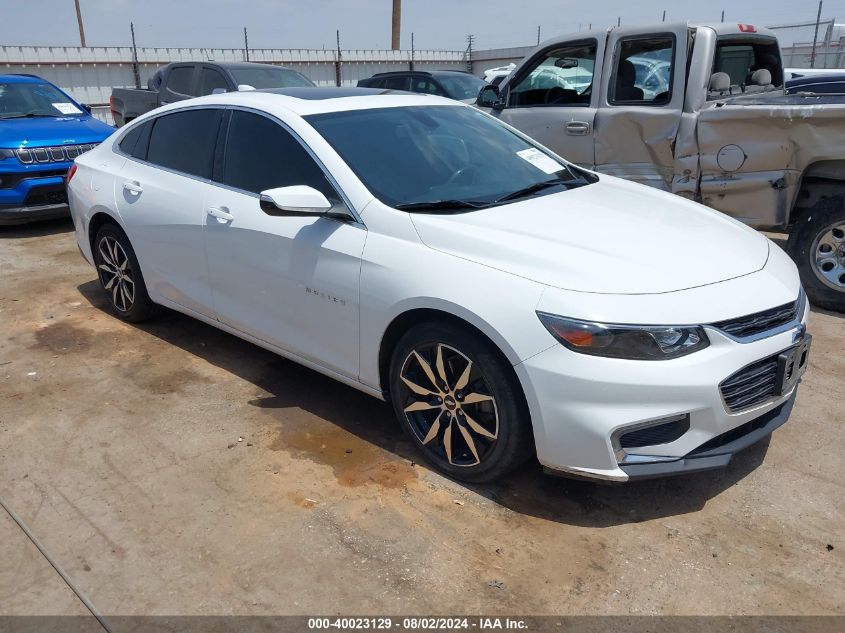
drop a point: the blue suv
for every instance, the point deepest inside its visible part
(41, 131)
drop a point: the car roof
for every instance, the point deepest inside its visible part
(305, 101)
(423, 73)
(22, 79)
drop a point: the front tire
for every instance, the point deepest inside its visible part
(817, 245)
(460, 402)
(120, 275)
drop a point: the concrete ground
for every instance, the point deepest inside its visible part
(169, 468)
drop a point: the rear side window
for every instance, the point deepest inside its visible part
(210, 80)
(395, 83)
(179, 80)
(184, 141)
(261, 154)
(136, 141)
(643, 72)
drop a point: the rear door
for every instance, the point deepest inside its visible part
(553, 98)
(179, 84)
(642, 100)
(159, 193)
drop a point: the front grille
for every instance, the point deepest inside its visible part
(752, 324)
(751, 385)
(657, 434)
(46, 194)
(58, 154)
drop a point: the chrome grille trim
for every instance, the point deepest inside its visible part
(753, 327)
(751, 386)
(58, 154)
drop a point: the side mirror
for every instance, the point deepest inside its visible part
(298, 200)
(488, 97)
(566, 62)
(219, 91)
(85, 107)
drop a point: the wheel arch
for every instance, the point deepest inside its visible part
(821, 179)
(97, 220)
(415, 315)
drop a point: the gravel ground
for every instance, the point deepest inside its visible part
(170, 468)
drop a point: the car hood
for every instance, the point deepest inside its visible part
(609, 237)
(41, 132)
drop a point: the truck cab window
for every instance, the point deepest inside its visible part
(560, 77)
(643, 71)
(210, 80)
(180, 79)
(751, 66)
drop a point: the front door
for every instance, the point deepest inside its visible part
(552, 99)
(290, 281)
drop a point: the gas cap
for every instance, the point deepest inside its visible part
(730, 157)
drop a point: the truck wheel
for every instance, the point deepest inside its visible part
(817, 244)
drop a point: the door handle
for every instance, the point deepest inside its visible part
(578, 128)
(221, 213)
(133, 187)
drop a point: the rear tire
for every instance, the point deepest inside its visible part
(120, 275)
(817, 245)
(471, 423)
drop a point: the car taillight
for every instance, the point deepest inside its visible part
(70, 173)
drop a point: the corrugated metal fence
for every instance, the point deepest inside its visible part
(89, 74)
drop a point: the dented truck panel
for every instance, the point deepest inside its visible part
(746, 155)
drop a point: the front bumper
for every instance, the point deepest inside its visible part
(579, 404)
(32, 192)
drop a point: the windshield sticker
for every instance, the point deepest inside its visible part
(540, 160)
(67, 108)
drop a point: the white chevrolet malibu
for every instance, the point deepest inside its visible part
(507, 303)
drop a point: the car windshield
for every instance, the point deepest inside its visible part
(24, 99)
(441, 157)
(270, 77)
(461, 86)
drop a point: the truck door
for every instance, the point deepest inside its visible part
(552, 99)
(642, 100)
(179, 84)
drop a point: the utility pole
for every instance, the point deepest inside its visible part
(135, 71)
(816, 37)
(470, 42)
(619, 21)
(246, 45)
(538, 35)
(412, 50)
(723, 15)
(338, 61)
(79, 21)
(664, 15)
(397, 25)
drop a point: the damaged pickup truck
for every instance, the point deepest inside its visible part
(699, 110)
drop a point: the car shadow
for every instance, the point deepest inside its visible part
(528, 491)
(37, 228)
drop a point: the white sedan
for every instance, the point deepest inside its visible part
(506, 303)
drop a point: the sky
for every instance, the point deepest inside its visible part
(364, 24)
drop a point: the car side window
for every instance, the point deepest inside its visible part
(210, 80)
(560, 77)
(179, 80)
(136, 141)
(185, 141)
(425, 85)
(261, 154)
(643, 71)
(396, 83)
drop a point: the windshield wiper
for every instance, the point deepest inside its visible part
(439, 205)
(31, 115)
(539, 186)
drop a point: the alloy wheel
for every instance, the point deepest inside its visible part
(116, 274)
(448, 405)
(828, 256)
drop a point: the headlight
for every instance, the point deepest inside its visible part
(634, 342)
